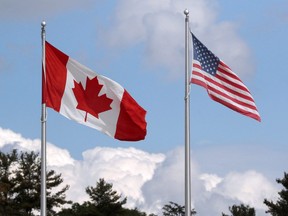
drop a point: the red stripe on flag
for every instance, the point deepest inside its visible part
(131, 124)
(237, 109)
(229, 81)
(56, 74)
(232, 90)
(241, 105)
(221, 83)
(225, 88)
(223, 94)
(227, 71)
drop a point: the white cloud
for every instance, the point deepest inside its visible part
(126, 168)
(149, 181)
(210, 181)
(55, 156)
(159, 26)
(167, 183)
(249, 187)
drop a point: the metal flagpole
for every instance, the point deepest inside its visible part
(187, 120)
(43, 127)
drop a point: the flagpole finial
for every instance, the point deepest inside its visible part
(186, 12)
(43, 23)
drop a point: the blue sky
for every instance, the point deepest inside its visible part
(140, 44)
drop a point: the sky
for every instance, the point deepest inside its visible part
(140, 44)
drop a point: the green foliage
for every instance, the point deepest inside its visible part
(241, 210)
(7, 183)
(86, 209)
(104, 201)
(20, 185)
(132, 212)
(280, 208)
(105, 198)
(174, 209)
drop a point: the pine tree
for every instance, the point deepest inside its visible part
(174, 209)
(280, 208)
(7, 183)
(105, 198)
(241, 210)
(20, 185)
(104, 201)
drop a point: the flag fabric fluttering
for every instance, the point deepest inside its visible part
(80, 94)
(221, 83)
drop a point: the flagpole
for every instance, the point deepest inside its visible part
(187, 120)
(43, 203)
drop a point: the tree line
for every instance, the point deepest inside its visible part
(20, 194)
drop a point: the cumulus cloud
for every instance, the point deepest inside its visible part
(126, 168)
(167, 183)
(159, 26)
(10, 140)
(250, 188)
(148, 180)
(210, 181)
(211, 194)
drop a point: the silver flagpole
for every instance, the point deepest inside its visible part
(43, 127)
(187, 120)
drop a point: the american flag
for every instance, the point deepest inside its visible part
(222, 84)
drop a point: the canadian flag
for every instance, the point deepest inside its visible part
(93, 100)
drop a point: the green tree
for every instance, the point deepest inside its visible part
(280, 208)
(104, 201)
(86, 209)
(241, 210)
(105, 198)
(174, 209)
(133, 212)
(7, 183)
(21, 181)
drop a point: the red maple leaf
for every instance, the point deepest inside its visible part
(89, 99)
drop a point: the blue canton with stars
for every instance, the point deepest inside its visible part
(209, 62)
